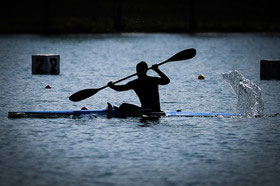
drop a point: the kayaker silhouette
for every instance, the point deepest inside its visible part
(145, 87)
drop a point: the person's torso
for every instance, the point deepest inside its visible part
(147, 91)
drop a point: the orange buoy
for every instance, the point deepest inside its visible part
(84, 108)
(48, 86)
(201, 77)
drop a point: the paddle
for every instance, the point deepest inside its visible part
(83, 94)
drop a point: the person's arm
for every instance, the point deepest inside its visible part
(119, 87)
(164, 80)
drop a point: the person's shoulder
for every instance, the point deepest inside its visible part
(133, 82)
(151, 78)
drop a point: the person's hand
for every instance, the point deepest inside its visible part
(155, 67)
(110, 84)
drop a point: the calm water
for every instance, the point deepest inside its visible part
(171, 151)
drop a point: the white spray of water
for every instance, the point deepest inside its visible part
(249, 99)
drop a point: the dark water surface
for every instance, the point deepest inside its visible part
(171, 151)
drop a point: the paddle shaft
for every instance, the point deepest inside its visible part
(83, 94)
(131, 76)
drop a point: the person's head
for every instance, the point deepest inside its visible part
(141, 69)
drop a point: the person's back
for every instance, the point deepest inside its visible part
(147, 92)
(145, 87)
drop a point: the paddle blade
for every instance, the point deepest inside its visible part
(183, 55)
(83, 94)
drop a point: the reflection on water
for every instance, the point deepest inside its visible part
(115, 151)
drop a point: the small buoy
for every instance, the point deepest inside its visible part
(48, 86)
(201, 76)
(84, 108)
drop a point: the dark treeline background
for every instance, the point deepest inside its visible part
(100, 16)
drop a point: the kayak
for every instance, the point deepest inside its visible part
(113, 113)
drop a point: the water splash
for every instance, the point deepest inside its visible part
(249, 99)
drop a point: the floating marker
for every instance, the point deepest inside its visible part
(270, 69)
(201, 77)
(84, 108)
(45, 64)
(48, 86)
